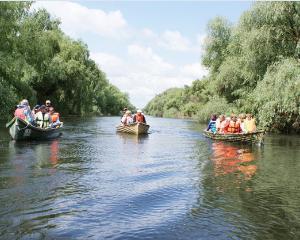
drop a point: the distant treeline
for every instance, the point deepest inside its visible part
(38, 62)
(254, 67)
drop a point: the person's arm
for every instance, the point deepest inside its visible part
(209, 125)
(123, 120)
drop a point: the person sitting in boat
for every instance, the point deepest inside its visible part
(241, 120)
(234, 125)
(54, 116)
(212, 124)
(139, 117)
(127, 118)
(35, 110)
(221, 124)
(42, 118)
(250, 123)
(48, 104)
(23, 112)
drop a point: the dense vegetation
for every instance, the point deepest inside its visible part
(38, 62)
(253, 67)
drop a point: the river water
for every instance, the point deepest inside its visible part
(172, 184)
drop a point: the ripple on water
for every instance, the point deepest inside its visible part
(172, 184)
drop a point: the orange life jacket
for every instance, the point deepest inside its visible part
(139, 118)
(234, 127)
(54, 117)
(20, 113)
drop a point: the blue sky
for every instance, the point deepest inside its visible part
(144, 47)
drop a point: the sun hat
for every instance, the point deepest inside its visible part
(25, 102)
(139, 111)
(37, 106)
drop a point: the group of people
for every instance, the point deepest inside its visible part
(243, 123)
(43, 116)
(128, 119)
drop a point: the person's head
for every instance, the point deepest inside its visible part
(213, 117)
(242, 117)
(139, 112)
(233, 117)
(48, 103)
(24, 102)
(222, 117)
(248, 116)
(124, 110)
(43, 109)
(36, 108)
(128, 113)
(51, 110)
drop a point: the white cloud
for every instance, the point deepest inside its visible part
(147, 60)
(108, 62)
(143, 73)
(173, 40)
(77, 19)
(194, 70)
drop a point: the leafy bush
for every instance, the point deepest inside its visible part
(278, 96)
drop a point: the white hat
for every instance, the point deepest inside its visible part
(139, 111)
(25, 102)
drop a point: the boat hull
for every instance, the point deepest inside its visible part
(20, 130)
(255, 137)
(136, 128)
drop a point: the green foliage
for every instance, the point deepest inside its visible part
(166, 104)
(38, 62)
(216, 105)
(219, 32)
(277, 96)
(253, 67)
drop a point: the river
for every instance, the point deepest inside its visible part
(172, 184)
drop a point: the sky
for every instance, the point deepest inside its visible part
(144, 47)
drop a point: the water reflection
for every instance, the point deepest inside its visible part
(171, 184)
(132, 138)
(228, 158)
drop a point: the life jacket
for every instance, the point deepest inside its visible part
(233, 127)
(223, 126)
(42, 120)
(20, 113)
(250, 125)
(54, 117)
(139, 118)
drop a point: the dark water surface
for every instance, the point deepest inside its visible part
(172, 184)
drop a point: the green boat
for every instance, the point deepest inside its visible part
(21, 130)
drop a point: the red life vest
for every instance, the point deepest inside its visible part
(139, 118)
(54, 117)
(20, 113)
(233, 127)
